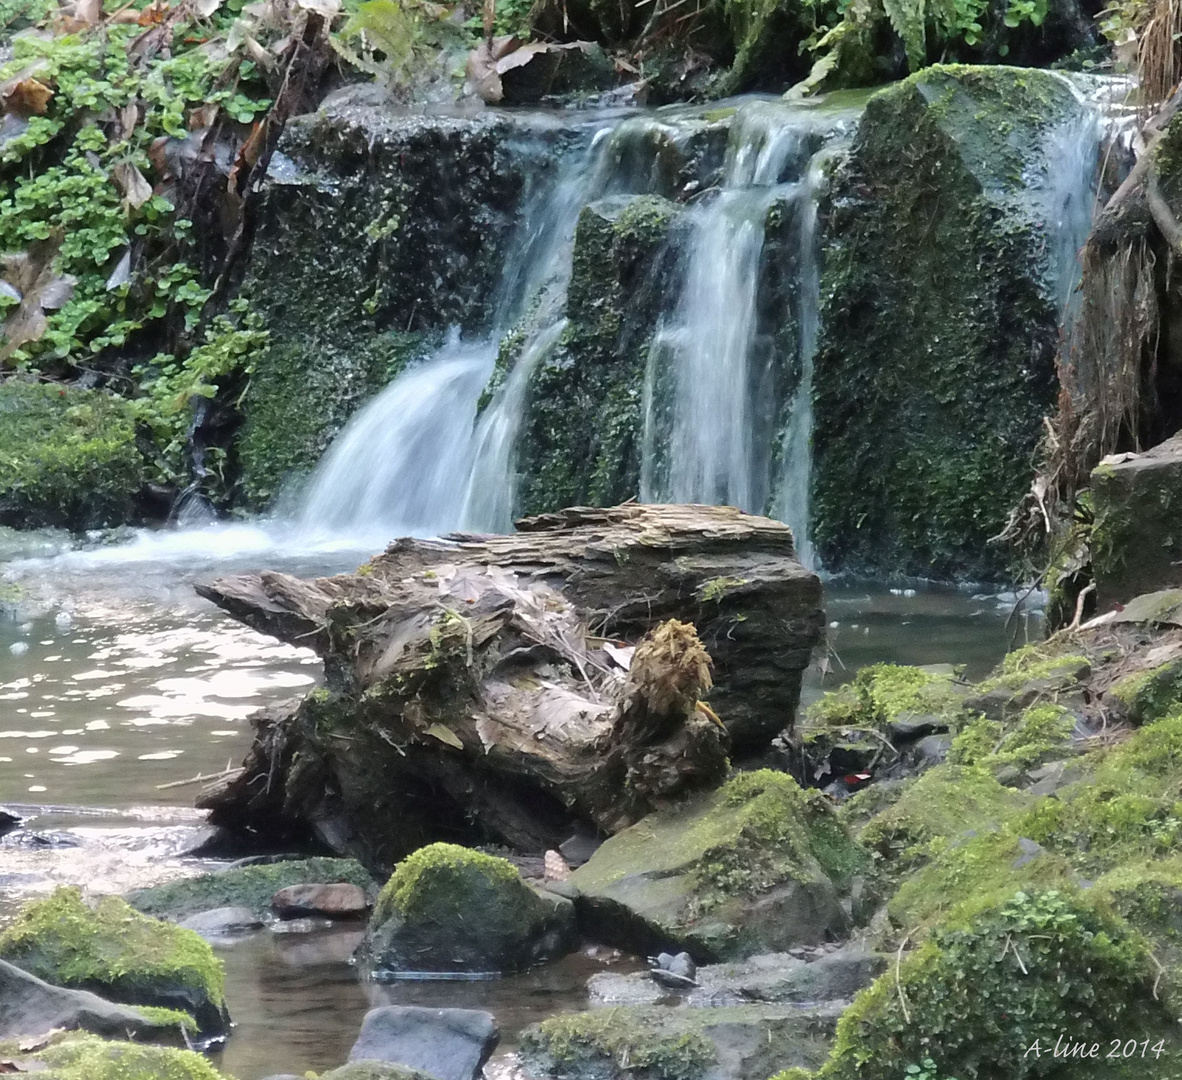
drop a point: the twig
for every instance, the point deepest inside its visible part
(899, 981)
(1079, 604)
(200, 778)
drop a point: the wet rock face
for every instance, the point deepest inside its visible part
(377, 233)
(1136, 544)
(447, 909)
(758, 866)
(940, 306)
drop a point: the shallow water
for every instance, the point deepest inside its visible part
(123, 679)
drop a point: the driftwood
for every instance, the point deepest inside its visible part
(486, 687)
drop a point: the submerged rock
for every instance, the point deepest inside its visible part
(474, 701)
(250, 887)
(743, 1042)
(31, 1006)
(944, 280)
(758, 866)
(340, 901)
(447, 908)
(222, 923)
(446, 1044)
(112, 950)
(68, 457)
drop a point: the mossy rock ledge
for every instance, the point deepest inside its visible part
(68, 457)
(448, 908)
(940, 304)
(112, 950)
(760, 865)
(86, 1057)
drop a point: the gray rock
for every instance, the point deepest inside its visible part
(579, 848)
(742, 1042)
(29, 1006)
(775, 978)
(222, 923)
(8, 821)
(934, 748)
(373, 1070)
(449, 1044)
(911, 726)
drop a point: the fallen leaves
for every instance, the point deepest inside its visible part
(30, 275)
(495, 57)
(134, 185)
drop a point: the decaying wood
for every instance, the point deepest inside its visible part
(505, 687)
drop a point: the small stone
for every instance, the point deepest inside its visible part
(450, 1044)
(339, 901)
(225, 922)
(300, 926)
(682, 964)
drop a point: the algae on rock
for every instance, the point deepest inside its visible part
(112, 950)
(83, 1057)
(760, 865)
(940, 310)
(449, 908)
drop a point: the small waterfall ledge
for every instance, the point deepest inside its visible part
(671, 302)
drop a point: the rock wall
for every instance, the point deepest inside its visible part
(939, 320)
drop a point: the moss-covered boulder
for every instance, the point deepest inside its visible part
(1136, 541)
(246, 887)
(112, 950)
(941, 296)
(740, 1042)
(68, 457)
(449, 908)
(581, 438)
(982, 989)
(758, 866)
(76, 1057)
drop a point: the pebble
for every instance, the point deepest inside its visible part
(337, 901)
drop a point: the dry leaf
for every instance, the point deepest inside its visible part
(133, 184)
(31, 274)
(121, 275)
(129, 117)
(203, 117)
(154, 14)
(29, 97)
(205, 8)
(328, 8)
(445, 735)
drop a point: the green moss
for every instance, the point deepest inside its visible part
(935, 363)
(112, 950)
(168, 1018)
(981, 989)
(630, 1039)
(244, 886)
(1038, 734)
(1149, 695)
(374, 1070)
(89, 1058)
(1035, 662)
(67, 457)
(580, 440)
(434, 881)
(940, 806)
(881, 693)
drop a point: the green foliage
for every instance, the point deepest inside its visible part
(881, 693)
(393, 39)
(983, 987)
(170, 385)
(111, 948)
(67, 456)
(60, 181)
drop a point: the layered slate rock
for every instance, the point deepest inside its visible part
(758, 866)
(465, 697)
(944, 280)
(31, 1006)
(447, 1044)
(449, 909)
(112, 950)
(1136, 543)
(68, 457)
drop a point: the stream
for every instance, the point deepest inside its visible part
(115, 679)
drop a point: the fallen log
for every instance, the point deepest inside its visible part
(482, 687)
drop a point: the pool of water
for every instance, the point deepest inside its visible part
(118, 684)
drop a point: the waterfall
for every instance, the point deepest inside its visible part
(713, 360)
(416, 459)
